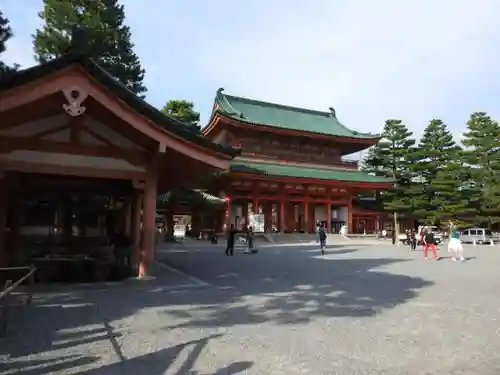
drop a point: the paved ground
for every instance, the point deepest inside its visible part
(357, 310)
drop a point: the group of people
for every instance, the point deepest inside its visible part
(428, 241)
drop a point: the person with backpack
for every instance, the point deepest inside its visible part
(322, 238)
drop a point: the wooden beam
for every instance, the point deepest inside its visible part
(71, 171)
(9, 144)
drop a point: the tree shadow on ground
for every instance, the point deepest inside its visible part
(246, 290)
(154, 363)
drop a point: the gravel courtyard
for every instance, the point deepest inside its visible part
(359, 309)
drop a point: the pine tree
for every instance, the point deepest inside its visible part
(184, 111)
(389, 158)
(5, 35)
(108, 40)
(482, 157)
(436, 151)
(452, 199)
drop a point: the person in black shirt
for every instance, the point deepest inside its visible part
(429, 241)
(413, 240)
(322, 237)
(231, 233)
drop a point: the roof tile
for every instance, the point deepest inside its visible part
(285, 117)
(281, 170)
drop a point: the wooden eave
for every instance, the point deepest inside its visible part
(33, 84)
(336, 183)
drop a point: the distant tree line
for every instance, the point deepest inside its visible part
(437, 179)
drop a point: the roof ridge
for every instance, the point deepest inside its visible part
(278, 105)
(226, 98)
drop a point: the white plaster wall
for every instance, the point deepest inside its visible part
(236, 210)
(343, 214)
(320, 213)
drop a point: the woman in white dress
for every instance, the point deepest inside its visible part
(455, 246)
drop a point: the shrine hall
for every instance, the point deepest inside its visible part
(292, 167)
(82, 156)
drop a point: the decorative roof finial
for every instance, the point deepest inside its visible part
(332, 111)
(219, 91)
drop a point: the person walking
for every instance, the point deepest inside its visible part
(455, 246)
(249, 238)
(422, 237)
(429, 241)
(230, 236)
(413, 240)
(322, 238)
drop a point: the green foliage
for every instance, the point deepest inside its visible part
(436, 157)
(5, 35)
(184, 111)
(390, 158)
(451, 201)
(107, 39)
(482, 157)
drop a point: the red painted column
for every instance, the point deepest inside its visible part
(227, 214)
(255, 206)
(349, 216)
(149, 219)
(4, 256)
(329, 216)
(282, 215)
(244, 213)
(136, 227)
(306, 217)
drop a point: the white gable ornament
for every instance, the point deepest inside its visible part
(75, 97)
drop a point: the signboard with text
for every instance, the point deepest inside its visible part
(256, 222)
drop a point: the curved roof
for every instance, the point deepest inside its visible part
(166, 123)
(284, 117)
(295, 171)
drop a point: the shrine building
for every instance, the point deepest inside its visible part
(82, 157)
(291, 167)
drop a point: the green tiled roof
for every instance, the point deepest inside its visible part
(285, 117)
(280, 170)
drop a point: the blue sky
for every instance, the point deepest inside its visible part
(372, 60)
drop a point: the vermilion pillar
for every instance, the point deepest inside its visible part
(244, 213)
(306, 217)
(4, 256)
(349, 216)
(136, 227)
(255, 206)
(282, 216)
(227, 217)
(149, 219)
(329, 216)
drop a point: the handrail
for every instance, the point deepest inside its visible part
(9, 290)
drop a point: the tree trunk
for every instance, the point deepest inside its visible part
(395, 229)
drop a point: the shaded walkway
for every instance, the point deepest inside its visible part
(174, 326)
